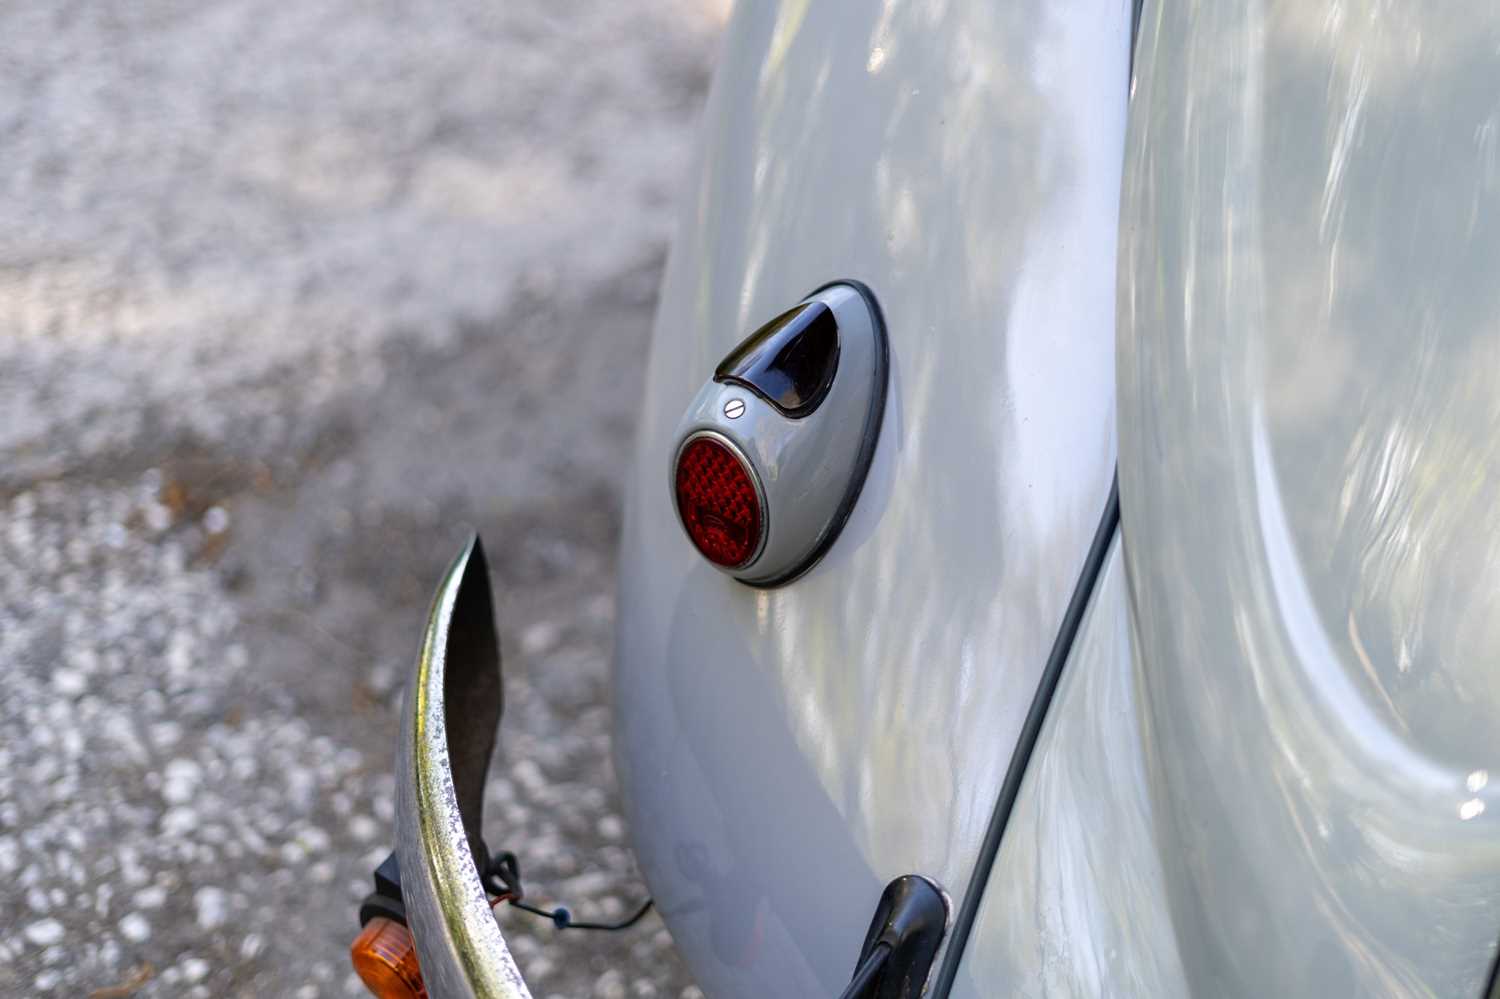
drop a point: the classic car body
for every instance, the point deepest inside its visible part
(1226, 731)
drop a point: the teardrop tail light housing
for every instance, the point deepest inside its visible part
(774, 449)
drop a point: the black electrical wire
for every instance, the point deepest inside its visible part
(864, 975)
(502, 878)
(563, 919)
(1031, 730)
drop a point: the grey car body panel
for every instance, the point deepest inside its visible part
(785, 753)
(1310, 485)
(1077, 898)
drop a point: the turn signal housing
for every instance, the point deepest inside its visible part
(385, 958)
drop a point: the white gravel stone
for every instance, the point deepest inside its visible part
(216, 520)
(184, 770)
(44, 932)
(135, 927)
(539, 638)
(180, 781)
(194, 969)
(166, 734)
(610, 985)
(179, 821)
(210, 903)
(150, 898)
(69, 683)
(158, 517)
(363, 828)
(314, 839)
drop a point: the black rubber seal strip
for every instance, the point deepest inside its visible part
(1493, 992)
(1135, 30)
(1031, 729)
(874, 420)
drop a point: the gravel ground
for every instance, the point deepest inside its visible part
(291, 297)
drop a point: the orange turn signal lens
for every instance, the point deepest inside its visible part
(385, 958)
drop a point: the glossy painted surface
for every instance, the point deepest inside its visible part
(1077, 899)
(441, 764)
(1310, 479)
(786, 753)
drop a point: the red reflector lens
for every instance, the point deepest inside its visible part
(717, 502)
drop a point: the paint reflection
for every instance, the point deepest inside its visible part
(1310, 419)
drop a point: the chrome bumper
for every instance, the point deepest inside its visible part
(440, 773)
